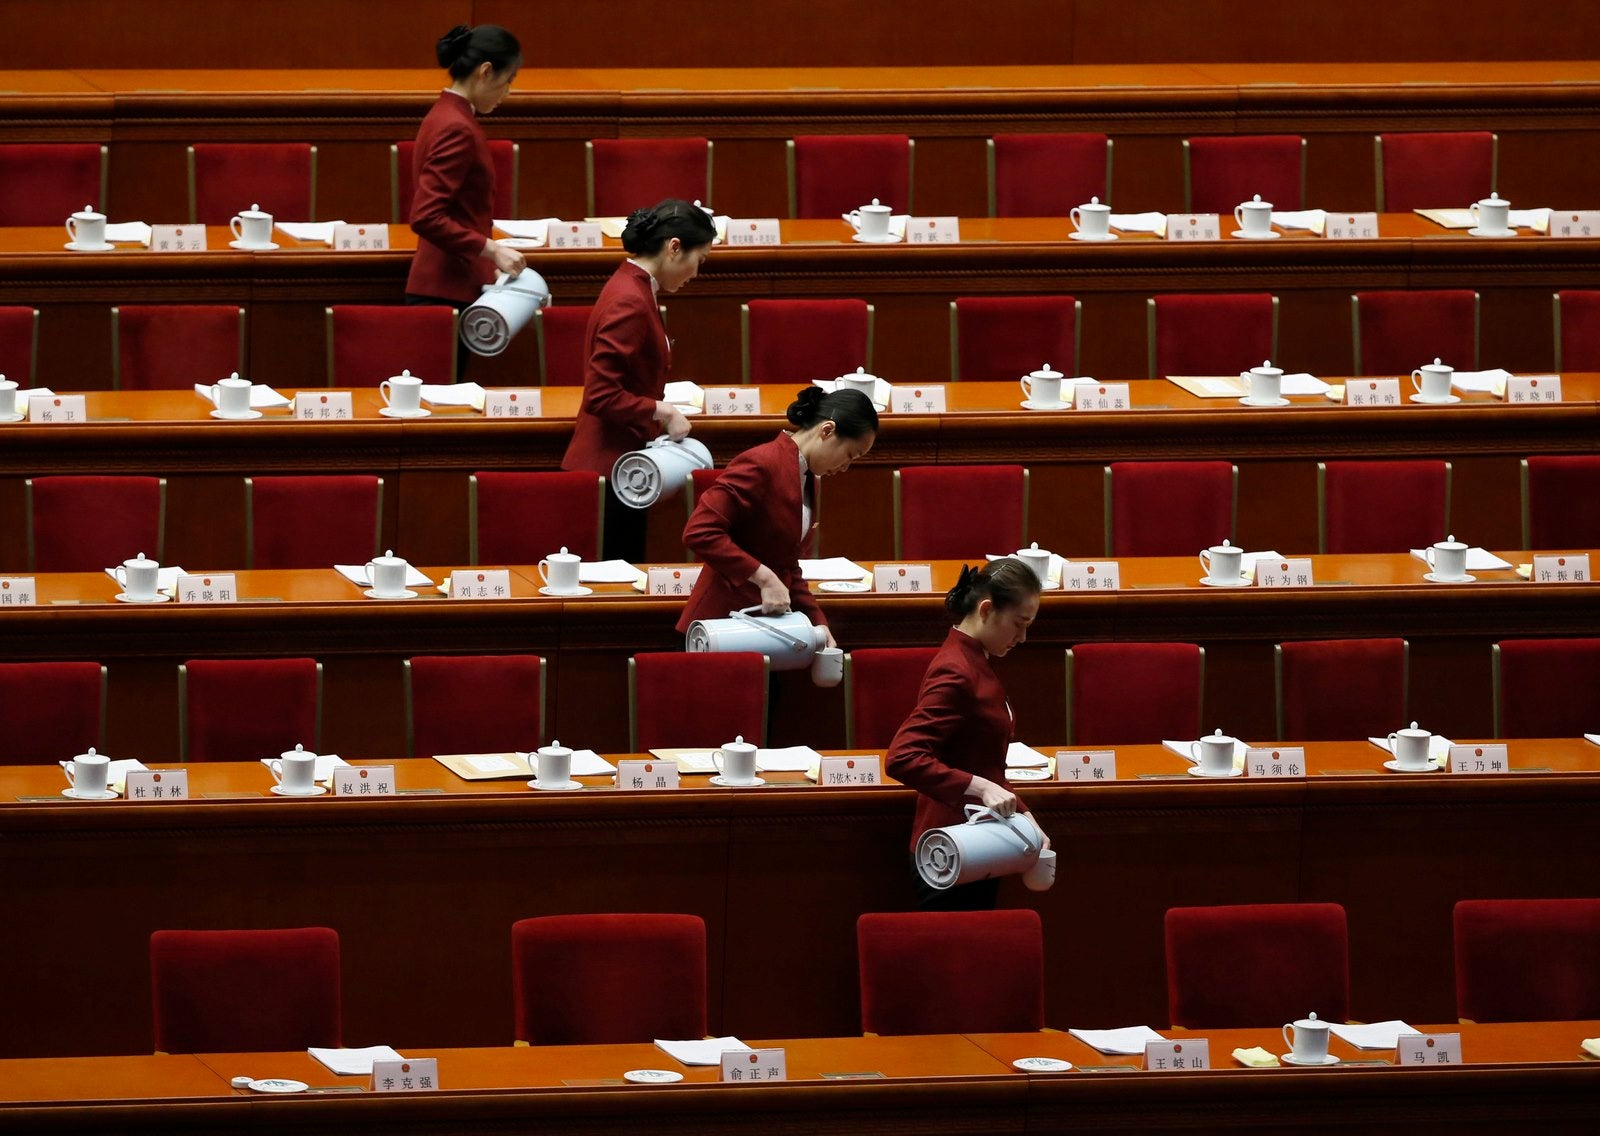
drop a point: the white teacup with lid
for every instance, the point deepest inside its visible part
(1431, 381)
(8, 399)
(553, 767)
(871, 221)
(1042, 388)
(295, 772)
(1091, 222)
(1222, 563)
(559, 571)
(1213, 754)
(1038, 559)
(1493, 215)
(86, 230)
(138, 578)
(387, 574)
(1266, 384)
(1448, 559)
(89, 775)
(1254, 218)
(1307, 1040)
(1410, 749)
(232, 396)
(402, 394)
(736, 762)
(252, 228)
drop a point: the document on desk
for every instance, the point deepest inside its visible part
(833, 568)
(608, 572)
(354, 1062)
(357, 575)
(1127, 1041)
(707, 1051)
(1019, 756)
(1373, 1035)
(793, 759)
(1478, 559)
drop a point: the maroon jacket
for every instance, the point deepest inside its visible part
(452, 208)
(628, 361)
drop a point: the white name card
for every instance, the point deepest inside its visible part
(1194, 227)
(177, 238)
(671, 582)
(1278, 761)
(1533, 388)
(1102, 396)
(747, 232)
(1079, 765)
(360, 238)
(850, 771)
(1350, 227)
(1290, 573)
(58, 409)
(574, 235)
(1572, 568)
(363, 781)
(933, 231)
(157, 785)
(1583, 223)
(1372, 392)
(513, 404)
(733, 400)
(1490, 757)
(1190, 1053)
(324, 406)
(1428, 1049)
(418, 1075)
(747, 1066)
(652, 774)
(916, 400)
(217, 588)
(903, 579)
(18, 591)
(480, 584)
(1091, 575)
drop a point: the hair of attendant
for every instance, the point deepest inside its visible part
(649, 229)
(1004, 583)
(850, 411)
(462, 50)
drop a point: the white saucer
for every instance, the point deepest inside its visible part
(1029, 404)
(1196, 771)
(74, 246)
(1491, 232)
(159, 597)
(1432, 579)
(580, 590)
(408, 594)
(245, 417)
(1394, 766)
(278, 1085)
(1092, 240)
(1289, 1058)
(12, 417)
(391, 412)
(75, 795)
(845, 586)
(1042, 1065)
(242, 247)
(652, 1076)
(1248, 401)
(1027, 774)
(884, 240)
(720, 780)
(1241, 582)
(1447, 400)
(314, 791)
(1244, 236)
(564, 787)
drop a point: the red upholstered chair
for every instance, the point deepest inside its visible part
(1396, 332)
(680, 698)
(174, 346)
(881, 685)
(999, 338)
(564, 984)
(312, 522)
(368, 343)
(1527, 960)
(41, 183)
(84, 524)
(698, 481)
(831, 175)
(19, 345)
(1257, 965)
(1169, 508)
(403, 179)
(1561, 502)
(1546, 688)
(53, 711)
(1210, 334)
(245, 991)
(951, 972)
(1134, 693)
(1337, 689)
(248, 709)
(1381, 506)
(634, 173)
(796, 341)
(1220, 172)
(1577, 316)
(474, 704)
(225, 177)
(954, 512)
(520, 518)
(1434, 170)
(1046, 175)
(560, 333)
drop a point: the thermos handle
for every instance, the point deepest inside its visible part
(744, 617)
(978, 813)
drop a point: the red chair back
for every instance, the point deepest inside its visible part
(502, 153)
(796, 341)
(53, 711)
(248, 709)
(368, 343)
(42, 183)
(1436, 170)
(1169, 508)
(315, 521)
(84, 524)
(1225, 170)
(520, 518)
(1339, 689)
(1134, 693)
(19, 344)
(691, 699)
(956, 512)
(1257, 965)
(881, 689)
(1578, 324)
(174, 346)
(245, 991)
(1415, 512)
(1546, 688)
(1046, 175)
(1000, 338)
(635, 173)
(926, 972)
(1211, 335)
(474, 703)
(562, 333)
(280, 177)
(1562, 492)
(1527, 960)
(835, 174)
(1400, 331)
(564, 972)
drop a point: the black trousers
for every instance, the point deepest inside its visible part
(463, 352)
(624, 530)
(978, 896)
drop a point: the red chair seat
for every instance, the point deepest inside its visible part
(174, 346)
(19, 346)
(689, 699)
(956, 512)
(1228, 169)
(225, 177)
(86, 523)
(1257, 965)
(1002, 338)
(53, 711)
(1211, 334)
(635, 173)
(1415, 512)
(1134, 693)
(1547, 688)
(1563, 502)
(474, 703)
(42, 183)
(1399, 331)
(520, 518)
(929, 972)
(313, 522)
(834, 174)
(1578, 327)
(562, 332)
(1433, 170)
(1339, 689)
(248, 709)
(796, 341)
(1527, 960)
(368, 343)
(1169, 508)
(1047, 175)
(881, 689)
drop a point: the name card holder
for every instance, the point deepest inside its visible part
(1101, 396)
(1290, 573)
(1350, 227)
(647, 775)
(58, 409)
(360, 238)
(156, 785)
(364, 781)
(748, 232)
(671, 582)
(1580, 223)
(1194, 227)
(1278, 761)
(733, 400)
(1372, 392)
(933, 231)
(1491, 757)
(513, 404)
(903, 579)
(1428, 1049)
(480, 584)
(1569, 568)
(839, 771)
(1078, 766)
(219, 588)
(417, 1075)
(1091, 576)
(748, 1066)
(1170, 1056)
(323, 406)
(917, 400)
(1527, 389)
(574, 235)
(18, 591)
(177, 238)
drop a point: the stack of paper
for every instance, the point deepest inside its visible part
(1374, 1035)
(684, 393)
(357, 575)
(531, 232)
(608, 572)
(707, 1051)
(1129, 1040)
(1139, 222)
(310, 231)
(453, 394)
(354, 1062)
(1492, 381)
(832, 568)
(128, 233)
(793, 759)
(1019, 756)
(261, 396)
(1309, 219)
(1478, 559)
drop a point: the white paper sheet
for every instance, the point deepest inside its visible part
(1127, 1041)
(585, 763)
(1373, 1035)
(707, 1051)
(309, 230)
(537, 231)
(832, 568)
(721, 222)
(1302, 382)
(1247, 562)
(1595, 738)
(1536, 219)
(793, 759)
(1492, 381)
(261, 396)
(608, 572)
(357, 575)
(1019, 756)
(684, 393)
(1438, 748)
(354, 1062)
(453, 394)
(610, 226)
(881, 390)
(1182, 750)
(1139, 222)
(493, 763)
(166, 578)
(129, 233)
(1312, 220)
(1478, 559)
(1449, 218)
(697, 761)
(897, 224)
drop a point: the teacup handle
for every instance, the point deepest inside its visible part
(275, 767)
(383, 389)
(1027, 387)
(369, 567)
(854, 217)
(120, 575)
(1288, 1036)
(1238, 215)
(1075, 216)
(1205, 561)
(72, 229)
(543, 575)
(716, 760)
(1427, 556)
(71, 770)
(1393, 740)
(1416, 380)
(1194, 751)
(234, 225)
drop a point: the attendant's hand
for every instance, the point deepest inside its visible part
(828, 631)
(506, 259)
(672, 420)
(991, 796)
(1045, 847)
(774, 594)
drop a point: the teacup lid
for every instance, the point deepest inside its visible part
(234, 378)
(5, 383)
(1094, 203)
(1412, 729)
(859, 373)
(1225, 546)
(876, 204)
(563, 555)
(88, 213)
(1437, 363)
(703, 208)
(739, 741)
(1493, 199)
(1311, 1021)
(388, 557)
(92, 752)
(1046, 372)
(255, 210)
(1450, 542)
(139, 561)
(555, 746)
(1266, 365)
(298, 751)
(405, 375)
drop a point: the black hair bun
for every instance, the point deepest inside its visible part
(452, 44)
(806, 409)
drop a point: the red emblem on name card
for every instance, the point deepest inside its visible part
(1533, 382)
(755, 1058)
(902, 571)
(511, 397)
(57, 402)
(677, 574)
(1478, 752)
(1179, 1048)
(205, 581)
(406, 1067)
(323, 398)
(574, 228)
(1274, 755)
(361, 232)
(1372, 386)
(851, 764)
(1430, 1043)
(1086, 759)
(156, 777)
(1561, 561)
(1102, 390)
(363, 775)
(648, 767)
(916, 394)
(6, 586)
(480, 577)
(1283, 568)
(1091, 572)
